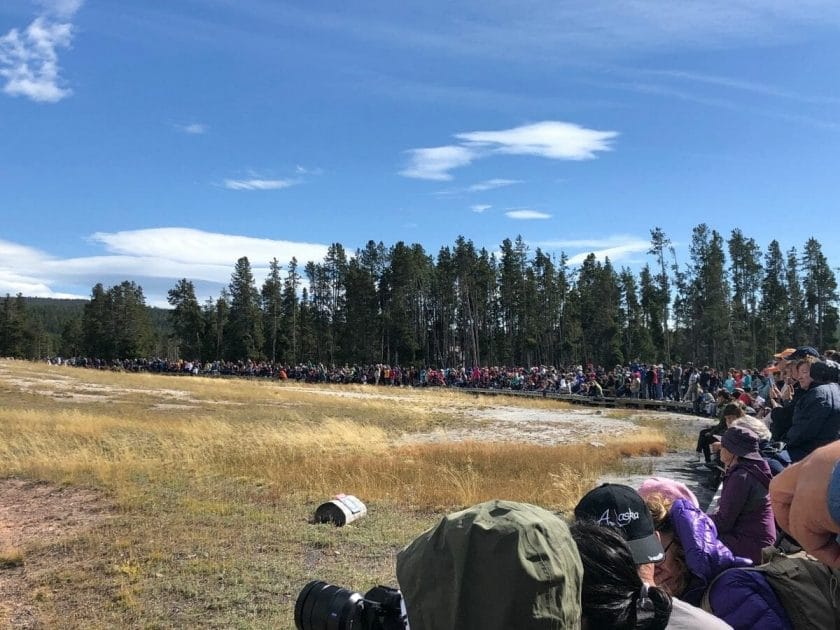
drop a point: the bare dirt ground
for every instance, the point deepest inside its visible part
(33, 517)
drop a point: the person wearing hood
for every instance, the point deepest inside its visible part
(494, 566)
(744, 518)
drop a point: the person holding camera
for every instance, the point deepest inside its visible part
(494, 566)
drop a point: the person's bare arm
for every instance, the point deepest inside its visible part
(800, 499)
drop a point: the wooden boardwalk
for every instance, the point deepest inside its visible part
(592, 401)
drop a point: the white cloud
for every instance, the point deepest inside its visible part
(549, 139)
(61, 8)
(29, 61)
(618, 247)
(259, 184)
(492, 184)
(190, 246)
(302, 170)
(434, 163)
(526, 215)
(193, 128)
(155, 258)
(479, 208)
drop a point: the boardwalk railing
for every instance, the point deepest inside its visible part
(594, 401)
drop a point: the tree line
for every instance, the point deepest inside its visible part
(731, 303)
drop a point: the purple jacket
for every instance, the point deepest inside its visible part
(745, 600)
(705, 555)
(744, 518)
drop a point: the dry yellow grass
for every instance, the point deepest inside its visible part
(211, 475)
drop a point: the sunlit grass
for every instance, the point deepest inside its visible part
(214, 481)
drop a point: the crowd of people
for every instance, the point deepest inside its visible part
(646, 559)
(767, 557)
(676, 382)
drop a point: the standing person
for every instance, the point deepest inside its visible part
(635, 385)
(744, 518)
(676, 381)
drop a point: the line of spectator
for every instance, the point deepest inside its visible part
(635, 380)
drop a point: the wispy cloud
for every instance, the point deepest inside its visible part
(61, 8)
(29, 58)
(618, 247)
(526, 215)
(303, 170)
(762, 89)
(259, 184)
(436, 162)
(193, 128)
(548, 139)
(483, 186)
(492, 184)
(479, 208)
(694, 87)
(155, 258)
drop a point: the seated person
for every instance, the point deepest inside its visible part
(694, 554)
(744, 518)
(611, 593)
(771, 451)
(816, 415)
(494, 566)
(784, 593)
(710, 435)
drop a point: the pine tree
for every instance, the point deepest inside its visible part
(186, 318)
(244, 332)
(97, 328)
(271, 296)
(820, 296)
(659, 243)
(130, 324)
(745, 271)
(774, 307)
(797, 330)
(291, 311)
(15, 328)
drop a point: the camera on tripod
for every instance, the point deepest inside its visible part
(322, 606)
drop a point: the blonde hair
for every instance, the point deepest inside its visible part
(660, 507)
(757, 426)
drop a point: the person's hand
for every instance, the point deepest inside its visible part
(799, 496)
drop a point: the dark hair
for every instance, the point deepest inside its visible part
(733, 409)
(822, 372)
(612, 595)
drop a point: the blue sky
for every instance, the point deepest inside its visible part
(157, 140)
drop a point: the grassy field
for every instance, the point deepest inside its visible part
(210, 485)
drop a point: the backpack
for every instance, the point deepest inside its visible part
(808, 590)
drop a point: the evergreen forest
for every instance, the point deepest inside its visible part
(731, 303)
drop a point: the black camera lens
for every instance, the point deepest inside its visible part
(322, 606)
